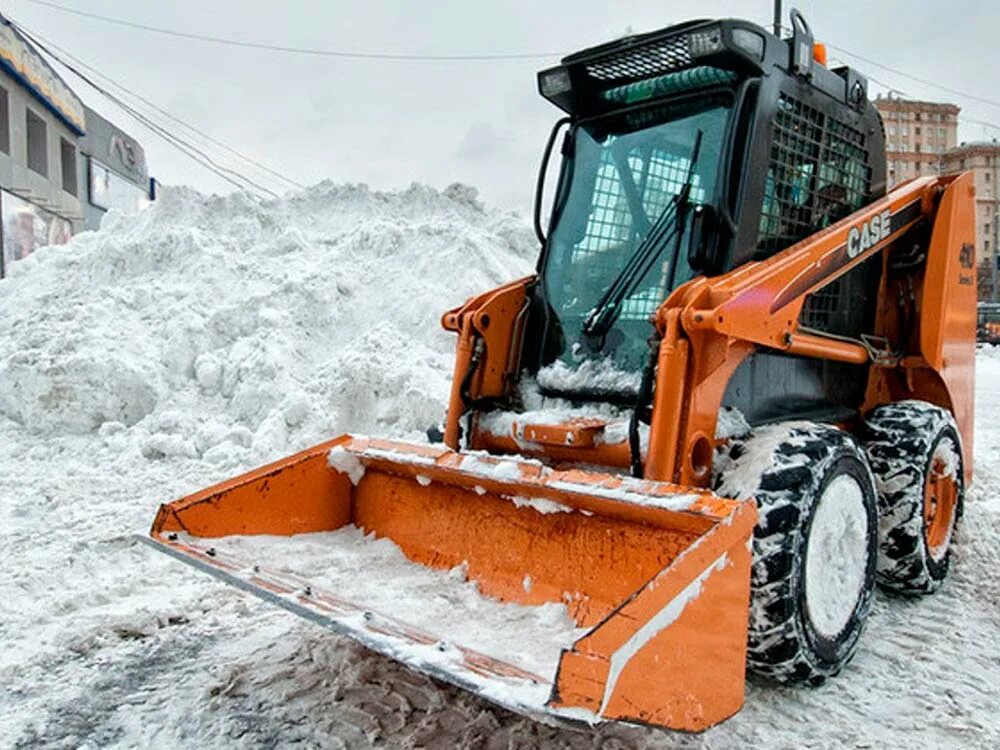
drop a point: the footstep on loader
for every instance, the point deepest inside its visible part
(736, 394)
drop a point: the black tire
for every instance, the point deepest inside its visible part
(788, 468)
(902, 440)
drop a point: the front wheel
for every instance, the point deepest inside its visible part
(814, 547)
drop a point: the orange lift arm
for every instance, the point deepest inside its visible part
(709, 326)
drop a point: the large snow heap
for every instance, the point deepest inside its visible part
(231, 328)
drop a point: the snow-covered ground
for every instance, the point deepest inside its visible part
(208, 335)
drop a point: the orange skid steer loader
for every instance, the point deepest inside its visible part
(736, 394)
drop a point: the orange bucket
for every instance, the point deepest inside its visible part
(568, 596)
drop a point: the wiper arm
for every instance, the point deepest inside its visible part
(606, 311)
(669, 224)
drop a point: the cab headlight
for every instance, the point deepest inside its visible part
(706, 41)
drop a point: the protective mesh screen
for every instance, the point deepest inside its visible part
(821, 307)
(645, 61)
(653, 178)
(818, 174)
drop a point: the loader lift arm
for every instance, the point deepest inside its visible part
(710, 325)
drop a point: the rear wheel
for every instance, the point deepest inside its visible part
(814, 547)
(915, 453)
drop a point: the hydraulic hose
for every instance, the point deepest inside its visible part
(642, 401)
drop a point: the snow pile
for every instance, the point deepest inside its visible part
(594, 375)
(347, 463)
(444, 604)
(228, 329)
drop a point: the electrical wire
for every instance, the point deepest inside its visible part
(869, 61)
(231, 176)
(298, 50)
(893, 89)
(432, 58)
(983, 123)
(220, 169)
(93, 71)
(923, 81)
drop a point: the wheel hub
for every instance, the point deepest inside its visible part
(837, 556)
(941, 499)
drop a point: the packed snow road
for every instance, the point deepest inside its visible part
(209, 335)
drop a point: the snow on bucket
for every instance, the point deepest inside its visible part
(564, 595)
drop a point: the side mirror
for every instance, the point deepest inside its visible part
(704, 237)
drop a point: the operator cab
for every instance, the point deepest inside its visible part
(691, 150)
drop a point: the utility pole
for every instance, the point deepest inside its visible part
(994, 255)
(777, 18)
(996, 238)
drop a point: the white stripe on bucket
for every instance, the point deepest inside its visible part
(662, 619)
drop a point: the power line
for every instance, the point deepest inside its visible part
(888, 86)
(883, 66)
(983, 123)
(431, 58)
(167, 114)
(923, 81)
(299, 50)
(357, 55)
(231, 176)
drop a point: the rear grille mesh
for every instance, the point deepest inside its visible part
(820, 309)
(818, 174)
(645, 61)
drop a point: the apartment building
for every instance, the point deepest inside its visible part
(982, 158)
(917, 134)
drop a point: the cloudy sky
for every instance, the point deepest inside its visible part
(481, 122)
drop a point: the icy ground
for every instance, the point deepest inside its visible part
(209, 335)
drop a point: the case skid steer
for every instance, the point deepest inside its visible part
(737, 393)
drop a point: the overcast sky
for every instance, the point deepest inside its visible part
(393, 123)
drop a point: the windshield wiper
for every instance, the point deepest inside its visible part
(669, 224)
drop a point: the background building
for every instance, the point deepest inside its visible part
(920, 139)
(917, 134)
(116, 171)
(982, 158)
(62, 166)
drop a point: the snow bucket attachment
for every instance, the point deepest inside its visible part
(567, 596)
